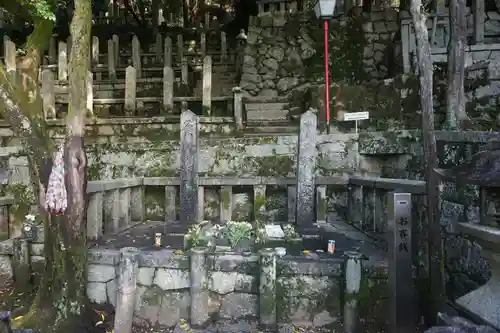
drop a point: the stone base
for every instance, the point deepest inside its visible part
(308, 290)
(484, 302)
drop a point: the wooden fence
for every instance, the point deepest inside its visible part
(166, 53)
(54, 92)
(483, 46)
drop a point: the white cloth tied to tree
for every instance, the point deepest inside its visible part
(56, 198)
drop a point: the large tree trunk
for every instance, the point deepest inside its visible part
(61, 299)
(66, 246)
(432, 231)
(456, 115)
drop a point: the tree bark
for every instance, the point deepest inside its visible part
(456, 115)
(435, 295)
(69, 253)
(61, 300)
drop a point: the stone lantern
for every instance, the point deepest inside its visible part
(483, 170)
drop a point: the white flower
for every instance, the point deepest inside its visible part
(30, 217)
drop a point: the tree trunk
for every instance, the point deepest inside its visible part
(456, 115)
(435, 293)
(66, 247)
(61, 299)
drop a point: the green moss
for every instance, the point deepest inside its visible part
(206, 111)
(273, 202)
(159, 136)
(313, 304)
(154, 203)
(321, 208)
(277, 165)
(387, 143)
(24, 198)
(225, 197)
(259, 202)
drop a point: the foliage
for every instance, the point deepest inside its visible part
(41, 9)
(290, 232)
(201, 233)
(34, 219)
(260, 235)
(346, 44)
(204, 233)
(234, 231)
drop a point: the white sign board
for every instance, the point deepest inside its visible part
(274, 231)
(356, 116)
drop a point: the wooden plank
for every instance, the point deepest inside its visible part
(264, 99)
(266, 116)
(238, 181)
(466, 136)
(405, 48)
(63, 99)
(479, 18)
(266, 107)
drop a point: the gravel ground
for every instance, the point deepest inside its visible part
(234, 326)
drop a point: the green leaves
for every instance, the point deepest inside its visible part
(30, 10)
(42, 9)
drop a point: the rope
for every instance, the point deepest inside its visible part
(56, 198)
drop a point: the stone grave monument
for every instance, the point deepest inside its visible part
(483, 170)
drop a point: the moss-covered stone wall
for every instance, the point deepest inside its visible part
(283, 53)
(124, 148)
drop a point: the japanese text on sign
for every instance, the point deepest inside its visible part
(403, 234)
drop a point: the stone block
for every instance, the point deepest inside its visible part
(298, 311)
(234, 263)
(240, 326)
(247, 284)
(35, 260)
(145, 276)
(171, 279)
(308, 286)
(6, 272)
(37, 250)
(222, 282)
(174, 306)
(96, 292)
(164, 259)
(111, 289)
(147, 304)
(311, 267)
(238, 305)
(103, 257)
(100, 273)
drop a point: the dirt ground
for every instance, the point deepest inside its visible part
(100, 318)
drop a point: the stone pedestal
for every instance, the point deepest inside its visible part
(484, 302)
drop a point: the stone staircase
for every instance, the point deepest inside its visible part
(269, 116)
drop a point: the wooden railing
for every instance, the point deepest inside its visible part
(367, 200)
(481, 48)
(279, 6)
(123, 199)
(129, 93)
(6, 229)
(113, 205)
(168, 51)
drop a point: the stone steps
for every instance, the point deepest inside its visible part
(266, 112)
(256, 130)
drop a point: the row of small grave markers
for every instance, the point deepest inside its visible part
(113, 56)
(130, 103)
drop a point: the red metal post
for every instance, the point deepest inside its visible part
(327, 74)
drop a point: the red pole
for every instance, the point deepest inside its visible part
(327, 74)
